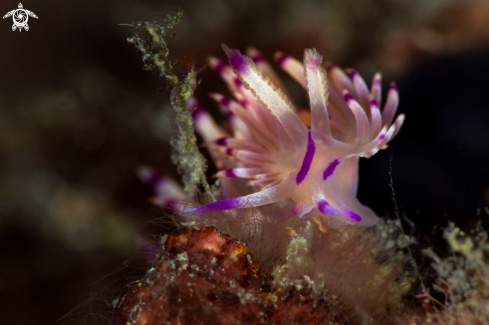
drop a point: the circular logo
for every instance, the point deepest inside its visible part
(20, 17)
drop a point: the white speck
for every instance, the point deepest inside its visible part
(273, 298)
(248, 257)
(163, 239)
(188, 224)
(182, 257)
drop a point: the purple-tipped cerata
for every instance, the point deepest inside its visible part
(257, 58)
(219, 67)
(221, 141)
(306, 163)
(266, 142)
(230, 173)
(198, 111)
(330, 169)
(348, 97)
(225, 100)
(280, 59)
(373, 103)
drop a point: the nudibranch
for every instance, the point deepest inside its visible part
(314, 162)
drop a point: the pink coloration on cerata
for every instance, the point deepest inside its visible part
(314, 163)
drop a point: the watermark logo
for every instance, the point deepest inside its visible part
(20, 17)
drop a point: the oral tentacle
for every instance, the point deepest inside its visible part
(270, 195)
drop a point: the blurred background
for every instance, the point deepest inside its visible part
(78, 115)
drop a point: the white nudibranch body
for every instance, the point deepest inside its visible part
(312, 162)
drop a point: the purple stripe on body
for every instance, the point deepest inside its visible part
(393, 86)
(327, 209)
(306, 163)
(229, 151)
(330, 169)
(280, 60)
(238, 61)
(257, 58)
(377, 82)
(351, 214)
